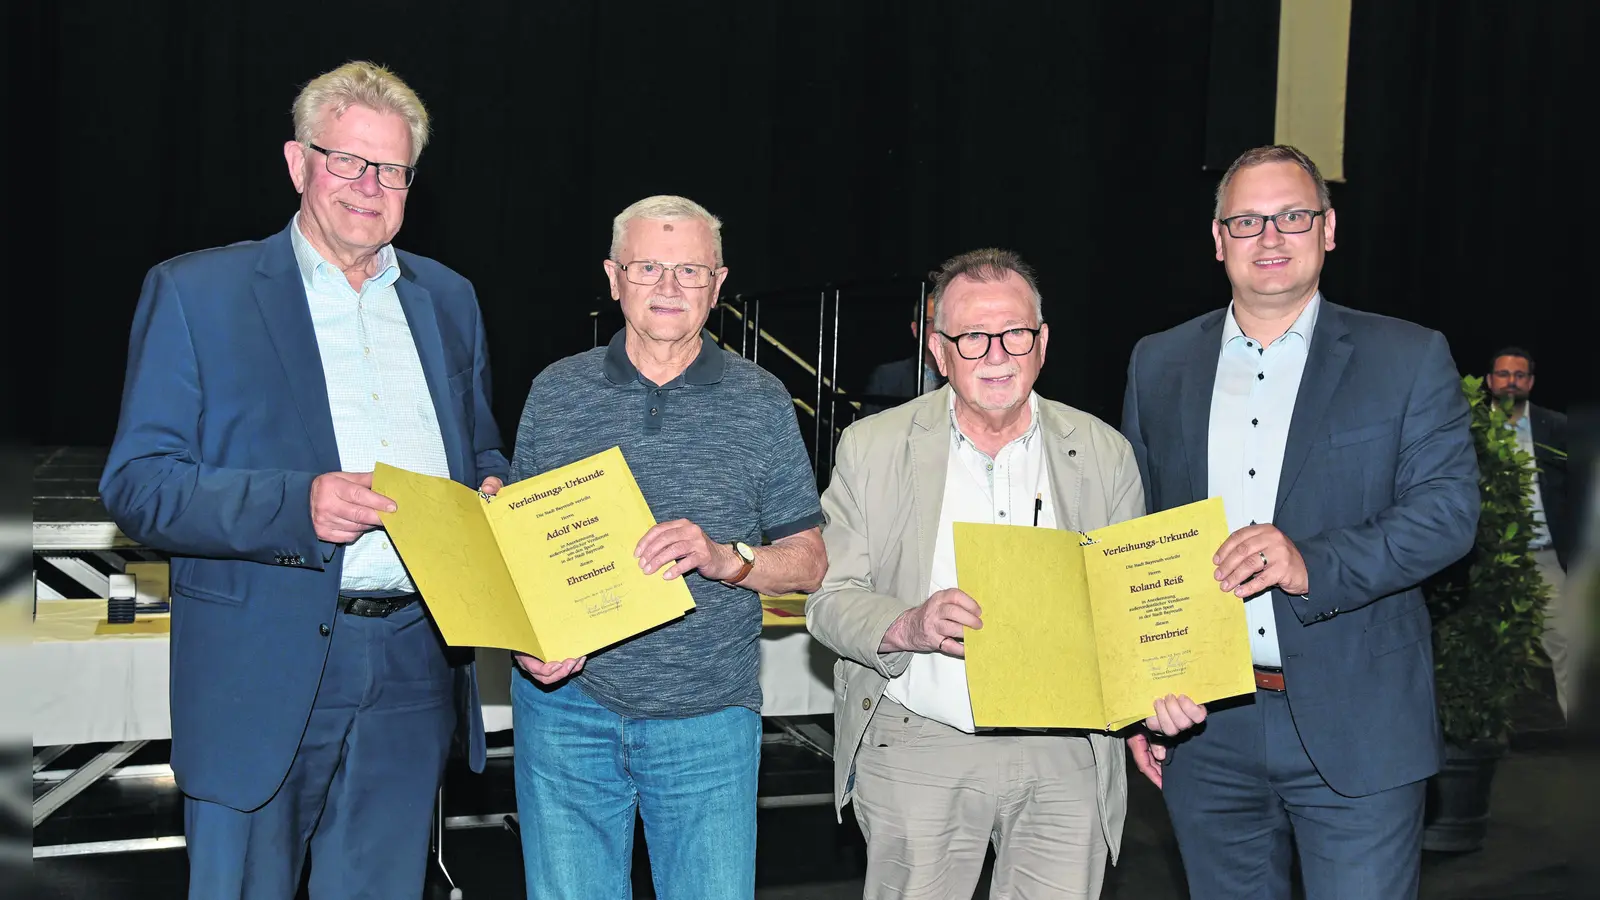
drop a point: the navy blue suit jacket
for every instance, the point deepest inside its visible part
(1379, 490)
(224, 424)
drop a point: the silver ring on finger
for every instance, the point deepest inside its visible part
(1263, 555)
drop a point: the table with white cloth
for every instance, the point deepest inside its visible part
(94, 683)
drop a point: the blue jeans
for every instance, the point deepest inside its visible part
(582, 770)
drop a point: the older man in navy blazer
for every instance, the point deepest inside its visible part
(313, 702)
(1339, 443)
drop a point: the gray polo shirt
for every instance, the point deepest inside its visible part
(719, 446)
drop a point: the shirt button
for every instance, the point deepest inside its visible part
(652, 410)
(1260, 376)
(384, 443)
(1252, 473)
(367, 351)
(1261, 631)
(866, 702)
(1002, 514)
(374, 396)
(1255, 421)
(322, 630)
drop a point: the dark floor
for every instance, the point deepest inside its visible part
(804, 855)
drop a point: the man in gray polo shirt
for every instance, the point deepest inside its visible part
(669, 722)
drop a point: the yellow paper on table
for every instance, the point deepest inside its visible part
(783, 611)
(545, 567)
(1087, 630)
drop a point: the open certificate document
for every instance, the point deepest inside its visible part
(1087, 630)
(545, 567)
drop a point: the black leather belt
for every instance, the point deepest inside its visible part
(375, 607)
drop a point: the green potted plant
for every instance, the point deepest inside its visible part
(1488, 614)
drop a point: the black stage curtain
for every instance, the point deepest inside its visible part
(838, 140)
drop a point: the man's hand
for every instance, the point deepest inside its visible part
(684, 541)
(548, 672)
(1175, 713)
(1148, 756)
(344, 506)
(491, 486)
(934, 626)
(1240, 568)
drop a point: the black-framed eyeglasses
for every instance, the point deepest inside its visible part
(349, 166)
(1290, 221)
(648, 271)
(975, 344)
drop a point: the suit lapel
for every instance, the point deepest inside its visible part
(1325, 361)
(281, 297)
(417, 303)
(1196, 383)
(1064, 461)
(930, 458)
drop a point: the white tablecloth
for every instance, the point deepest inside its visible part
(91, 688)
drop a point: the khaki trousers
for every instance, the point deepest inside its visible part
(1563, 627)
(930, 800)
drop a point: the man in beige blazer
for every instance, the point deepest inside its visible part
(931, 792)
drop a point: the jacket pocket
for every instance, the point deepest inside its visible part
(1361, 435)
(210, 596)
(1398, 632)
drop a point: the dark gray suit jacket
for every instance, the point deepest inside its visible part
(1379, 490)
(1549, 435)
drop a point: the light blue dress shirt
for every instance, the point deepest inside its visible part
(1541, 529)
(382, 409)
(1251, 406)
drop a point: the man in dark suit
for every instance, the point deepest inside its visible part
(1339, 443)
(1542, 433)
(896, 382)
(313, 702)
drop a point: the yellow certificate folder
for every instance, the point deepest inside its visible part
(545, 567)
(1087, 630)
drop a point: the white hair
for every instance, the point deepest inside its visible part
(359, 84)
(665, 206)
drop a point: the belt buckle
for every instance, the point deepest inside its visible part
(373, 607)
(1269, 679)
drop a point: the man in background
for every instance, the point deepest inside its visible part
(1542, 434)
(896, 382)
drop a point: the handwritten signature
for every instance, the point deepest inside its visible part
(609, 600)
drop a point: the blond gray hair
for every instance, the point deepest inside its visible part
(988, 264)
(364, 84)
(1272, 154)
(669, 207)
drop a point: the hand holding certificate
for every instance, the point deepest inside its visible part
(1086, 631)
(544, 568)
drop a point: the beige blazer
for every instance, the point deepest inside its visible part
(881, 513)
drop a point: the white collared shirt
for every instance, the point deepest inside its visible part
(379, 399)
(1252, 404)
(977, 488)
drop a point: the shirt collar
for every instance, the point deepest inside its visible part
(313, 265)
(1304, 324)
(707, 367)
(1025, 438)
